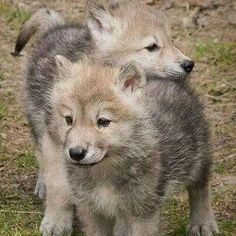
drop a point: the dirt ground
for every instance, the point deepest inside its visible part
(204, 30)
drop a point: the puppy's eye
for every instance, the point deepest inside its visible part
(102, 122)
(69, 120)
(152, 47)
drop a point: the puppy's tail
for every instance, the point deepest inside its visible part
(39, 23)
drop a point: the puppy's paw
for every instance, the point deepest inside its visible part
(57, 224)
(40, 188)
(207, 228)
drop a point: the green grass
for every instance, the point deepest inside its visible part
(1, 76)
(220, 168)
(13, 15)
(20, 223)
(221, 54)
(2, 111)
(176, 214)
(227, 227)
(27, 160)
(20, 213)
(219, 59)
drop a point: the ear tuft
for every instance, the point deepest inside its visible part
(131, 77)
(100, 17)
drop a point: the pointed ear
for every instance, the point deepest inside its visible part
(131, 77)
(100, 18)
(63, 65)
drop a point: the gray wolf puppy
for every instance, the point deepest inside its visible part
(118, 33)
(125, 144)
(115, 34)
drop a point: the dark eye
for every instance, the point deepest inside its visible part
(69, 120)
(152, 47)
(103, 122)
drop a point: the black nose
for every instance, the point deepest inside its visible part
(77, 153)
(187, 65)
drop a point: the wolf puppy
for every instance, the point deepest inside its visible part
(126, 144)
(115, 34)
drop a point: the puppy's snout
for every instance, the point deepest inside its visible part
(77, 153)
(187, 65)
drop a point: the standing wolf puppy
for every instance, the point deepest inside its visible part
(115, 34)
(126, 144)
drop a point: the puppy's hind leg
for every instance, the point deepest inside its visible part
(202, 219)
(40, 188)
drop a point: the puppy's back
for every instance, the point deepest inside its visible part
(181, 130)
(71, 41)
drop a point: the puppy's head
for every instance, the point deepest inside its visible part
(132, 31)
(94, 108)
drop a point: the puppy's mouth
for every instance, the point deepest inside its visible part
(94, 159)
(92, 163)
(168, 75)
(90, 159)
(176, 75)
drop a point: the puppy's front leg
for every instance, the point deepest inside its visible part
(93, 223)
(148, 226)
(58, 216)
(120, 228)
(202, 219)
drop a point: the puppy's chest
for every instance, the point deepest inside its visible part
(105, 200)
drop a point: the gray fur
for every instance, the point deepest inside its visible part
(71, 41)
(41, 22)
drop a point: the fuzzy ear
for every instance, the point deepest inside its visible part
(100, 18)
(63, 65)
(131, 77)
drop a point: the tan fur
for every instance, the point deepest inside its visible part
(127, 33)
(58, 191)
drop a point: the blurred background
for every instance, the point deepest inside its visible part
(203, 29)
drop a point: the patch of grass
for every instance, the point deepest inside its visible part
(1, 76)
(177, 210)
(13, 15)
(13, 223)
(227, 227)
(221, 89)
(20, 212)
(176, 214)
(2, 111)
(27, 160)
(216, 53)
(76, 233)
(219, 168)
